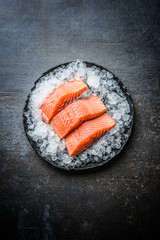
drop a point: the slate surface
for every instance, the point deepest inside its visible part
(38, 201)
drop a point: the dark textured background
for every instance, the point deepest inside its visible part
(38, 201)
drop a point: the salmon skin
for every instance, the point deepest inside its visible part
(60, 97)
(75, 114)
(90, 131)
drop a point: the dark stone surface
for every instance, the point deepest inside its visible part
(38, 201)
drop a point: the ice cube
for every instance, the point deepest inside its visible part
(126, 117)
(109, 83)
(109, 75)
(108, 149)
(105, 157)
(117, 115)
(117, 144)
(114, 129)
(94, 152)
(96, 158)
(93, 80)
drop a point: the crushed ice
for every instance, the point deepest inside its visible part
(100, 83)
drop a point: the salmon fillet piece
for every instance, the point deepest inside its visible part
(60, 97)
(90, 131)
(75, 114)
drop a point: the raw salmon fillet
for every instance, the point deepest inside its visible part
(75, 114)
(90, 131)
(61, 97)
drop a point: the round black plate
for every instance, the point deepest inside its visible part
(89, 165)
